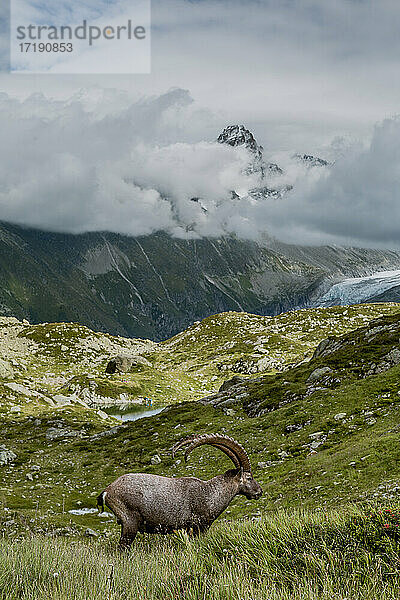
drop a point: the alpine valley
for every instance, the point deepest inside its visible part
(154, 286)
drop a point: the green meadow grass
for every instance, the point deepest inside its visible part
(348, 555)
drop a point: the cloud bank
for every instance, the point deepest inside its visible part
(354, 202)
(102, 162)
(296, 71)
(68, 166)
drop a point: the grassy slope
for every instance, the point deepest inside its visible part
(358, 453)
(348, 555)
(313, 554)
(189, 366)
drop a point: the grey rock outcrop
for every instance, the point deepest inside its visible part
(61, 400)
(124, 364)
(107, 433)
(6, 456)
(231, 382)
(391, 359)
(56, 433)
(6, 370)
(318, 373)
(327, 347)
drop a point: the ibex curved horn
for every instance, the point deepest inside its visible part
(183, 442)
(226, 444)
(192, 438)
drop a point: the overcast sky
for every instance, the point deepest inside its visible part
(303, 75)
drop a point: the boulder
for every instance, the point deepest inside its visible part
(283, 454)
(340, 416)
(155, 460)
(91, 533)
(318, 373)
(20, 389)
(102, 414)
(265, 464)
(124, 364)
(6, 370)
(316, 444)
(6, 456)
(61, 400)
(231, 382)
(295, 427)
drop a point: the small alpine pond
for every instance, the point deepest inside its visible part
(132, 412)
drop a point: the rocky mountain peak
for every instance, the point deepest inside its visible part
(238, 135)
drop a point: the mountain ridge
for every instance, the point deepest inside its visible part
(155, 286)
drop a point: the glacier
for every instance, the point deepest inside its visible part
(360, 289)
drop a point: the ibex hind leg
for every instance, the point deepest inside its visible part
(197, 530)
(129, 529)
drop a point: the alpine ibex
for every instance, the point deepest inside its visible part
(154, 504)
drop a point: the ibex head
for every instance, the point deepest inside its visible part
(247, 485)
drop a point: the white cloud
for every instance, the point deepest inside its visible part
(355, 202)
(66, 168)
(299, 72)
(102, 162)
